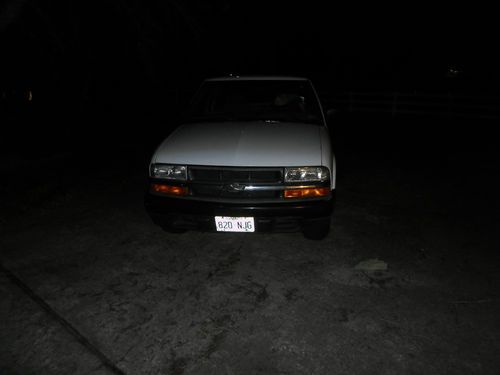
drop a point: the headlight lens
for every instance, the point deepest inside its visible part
(306, 174)
(169, 172)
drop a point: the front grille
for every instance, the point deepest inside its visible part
(217, 182)
(229, 175)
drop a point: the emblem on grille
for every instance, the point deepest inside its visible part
(234, 187)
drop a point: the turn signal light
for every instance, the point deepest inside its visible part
(307, 193)
(169, 189)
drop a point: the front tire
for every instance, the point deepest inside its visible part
(316, 229)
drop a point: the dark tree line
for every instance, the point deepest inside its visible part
(117, 55)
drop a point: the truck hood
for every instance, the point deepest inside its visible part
(256, 144)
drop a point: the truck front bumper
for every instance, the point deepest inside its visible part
(269, 217)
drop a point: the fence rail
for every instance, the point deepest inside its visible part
(401, 103)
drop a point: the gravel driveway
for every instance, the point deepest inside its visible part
(208, 303)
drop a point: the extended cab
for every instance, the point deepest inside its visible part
(252, 155)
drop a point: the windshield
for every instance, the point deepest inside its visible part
(254, 100)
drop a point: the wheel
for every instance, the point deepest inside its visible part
(316, 229)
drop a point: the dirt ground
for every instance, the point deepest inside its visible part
(210, 303)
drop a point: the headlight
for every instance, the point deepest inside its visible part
(306, 174)
(169, 172)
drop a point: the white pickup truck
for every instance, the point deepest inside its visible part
(253, 154)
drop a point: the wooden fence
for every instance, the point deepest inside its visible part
(414, 104)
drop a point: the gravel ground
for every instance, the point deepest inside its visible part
(209, 303)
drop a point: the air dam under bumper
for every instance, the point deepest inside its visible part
(269, 217)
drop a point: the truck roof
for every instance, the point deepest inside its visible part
(255, 78)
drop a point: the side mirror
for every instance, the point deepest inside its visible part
(331, 113)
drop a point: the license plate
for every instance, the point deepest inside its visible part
(234, 224)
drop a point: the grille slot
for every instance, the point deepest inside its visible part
(218, 191)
